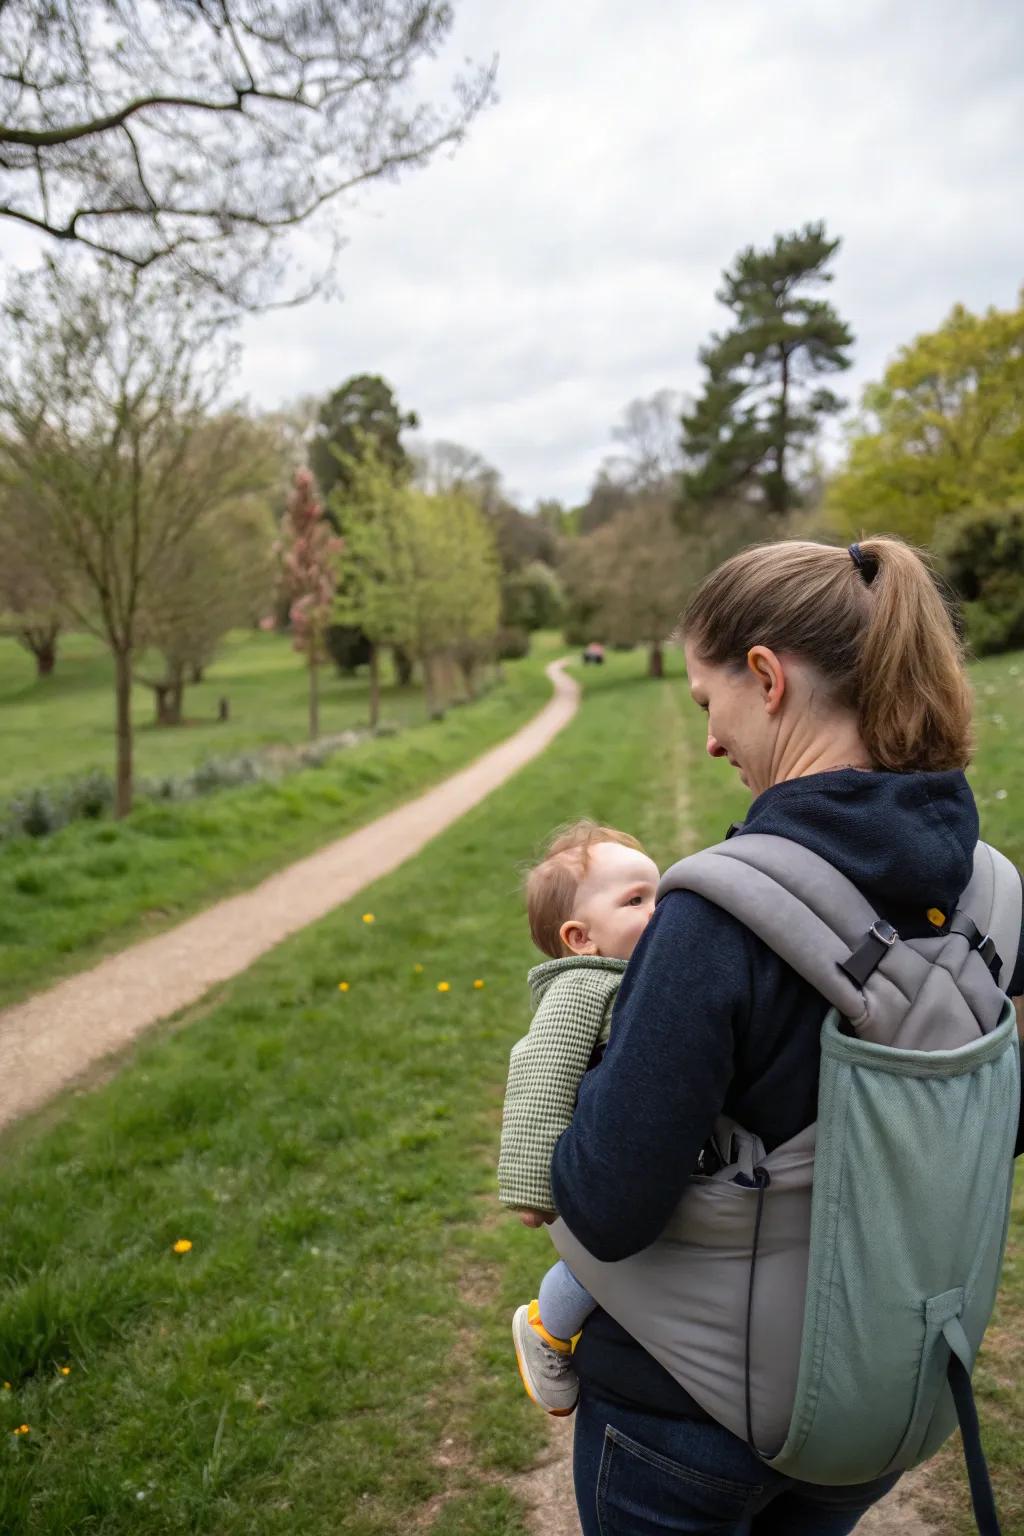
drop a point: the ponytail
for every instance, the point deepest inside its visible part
(913, 698)
(871, 620)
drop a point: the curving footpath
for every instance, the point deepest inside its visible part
(51, 1039)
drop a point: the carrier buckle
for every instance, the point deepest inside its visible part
(863, 960)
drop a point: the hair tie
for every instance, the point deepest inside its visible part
(867, 564)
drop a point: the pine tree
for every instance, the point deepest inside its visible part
(760, 407)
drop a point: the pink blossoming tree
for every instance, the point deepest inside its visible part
(308, 552)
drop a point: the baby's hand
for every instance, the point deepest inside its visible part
(537, 1218)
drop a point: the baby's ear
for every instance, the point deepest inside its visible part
(575, 937)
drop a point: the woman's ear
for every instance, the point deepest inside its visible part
(769, 674)
(575, 937)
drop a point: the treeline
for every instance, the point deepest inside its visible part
(935, 455)
(135, 506)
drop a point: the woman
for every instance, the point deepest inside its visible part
(834, 685)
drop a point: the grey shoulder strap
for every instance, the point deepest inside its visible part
(993, 901)
(814, 917)
(802, 907)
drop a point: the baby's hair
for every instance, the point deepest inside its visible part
(552, 883)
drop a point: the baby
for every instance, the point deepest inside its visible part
(588, 900)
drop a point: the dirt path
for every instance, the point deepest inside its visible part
(51, 1039)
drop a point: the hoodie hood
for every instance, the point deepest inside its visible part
(905, 840)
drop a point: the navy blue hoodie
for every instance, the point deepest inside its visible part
(709, 1019)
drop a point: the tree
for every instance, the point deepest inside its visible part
(362, 412)
(105, 389)
(201, 134)
(308, 553)
(533, 598)
(650, 440)
(421, 574)
(629, 579)
(217, 578)
(982, 555)
(760, 408)
(608, 496)
(376, 597)
(442, 467)
(30, 607)
(943, 432)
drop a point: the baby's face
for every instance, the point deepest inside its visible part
(614, 902)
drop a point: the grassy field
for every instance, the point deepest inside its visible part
(332, 1354)
(95, 886)
(61, 725)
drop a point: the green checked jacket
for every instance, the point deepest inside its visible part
(573, 1000)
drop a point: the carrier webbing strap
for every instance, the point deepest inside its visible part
(959, 1373)
(983, 942)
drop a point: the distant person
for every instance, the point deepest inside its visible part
(588, 901)
(594, 654)
(834, 685)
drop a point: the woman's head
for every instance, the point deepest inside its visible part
(809, 657)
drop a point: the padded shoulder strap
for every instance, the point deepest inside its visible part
(798, 903)
(993, 902)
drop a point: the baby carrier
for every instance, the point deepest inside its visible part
(825, 1301)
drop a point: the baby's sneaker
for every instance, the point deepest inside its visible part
(545, 1363)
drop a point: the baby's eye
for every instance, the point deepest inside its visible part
(635, 901)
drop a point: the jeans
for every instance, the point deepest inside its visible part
(641, 1474)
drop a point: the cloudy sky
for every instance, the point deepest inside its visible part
(518, 294)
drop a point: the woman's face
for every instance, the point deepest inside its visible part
(741, 705)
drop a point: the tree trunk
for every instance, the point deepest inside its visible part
(197, 674)
(46, 657)
(782, 496)
(374, 685)
(123, 691)
(656, 661)
(314, 692)
(168, 701)
(403, 666)
(435, 710)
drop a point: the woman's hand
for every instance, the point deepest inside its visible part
(537, 1218)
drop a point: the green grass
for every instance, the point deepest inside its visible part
(63, 725)
(332, 1356)
(95, 886)
(340, 1326)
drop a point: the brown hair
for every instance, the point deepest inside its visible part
(551, 884)
(879, 632)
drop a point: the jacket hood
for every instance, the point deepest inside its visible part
(906, 840)
(541, 976)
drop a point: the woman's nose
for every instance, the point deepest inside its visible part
(715, 748)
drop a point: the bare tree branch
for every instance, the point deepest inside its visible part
(198, 135)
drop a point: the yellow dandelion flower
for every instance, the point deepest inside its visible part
(22, 1429)
(7, 1386)
(418, 968)
(368, 917)
(343, 986)
(65, 1370)
(444, 986)
(183, 1245)
(478, 984)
